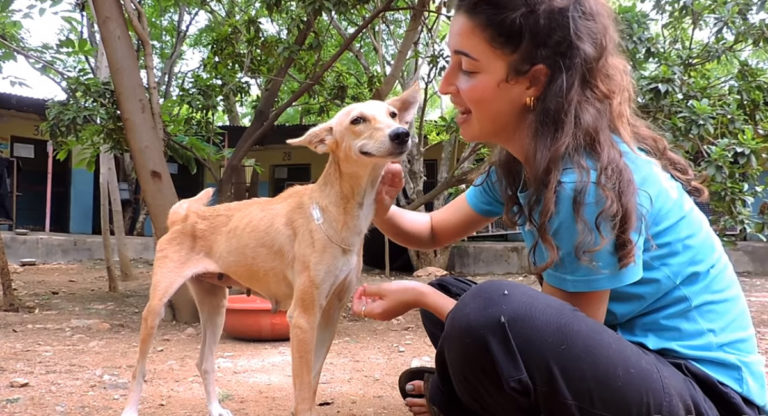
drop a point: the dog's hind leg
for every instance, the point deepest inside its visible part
(211, 300)
(169, 273)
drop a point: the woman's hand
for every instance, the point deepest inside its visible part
(390, 185)
(388, 300)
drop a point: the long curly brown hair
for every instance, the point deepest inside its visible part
(589, 96)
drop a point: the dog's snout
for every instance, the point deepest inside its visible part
(400, 135)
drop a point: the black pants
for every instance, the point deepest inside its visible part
(507, 349)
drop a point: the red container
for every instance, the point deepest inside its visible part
(251, 318)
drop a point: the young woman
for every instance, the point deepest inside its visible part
(640, 311)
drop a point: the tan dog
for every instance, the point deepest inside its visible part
(302, 250)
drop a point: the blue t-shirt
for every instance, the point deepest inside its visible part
(680, 297)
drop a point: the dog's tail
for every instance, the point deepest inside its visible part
(180, 210)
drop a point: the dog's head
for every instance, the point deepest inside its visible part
(371, 130)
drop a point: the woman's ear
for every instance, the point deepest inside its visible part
(536, 78)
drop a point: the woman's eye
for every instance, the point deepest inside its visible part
(393, 114)
(467, 72)
(357, 120)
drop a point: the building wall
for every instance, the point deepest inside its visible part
(71, 205)
(80, 206)
(14, 123)
(285, 155)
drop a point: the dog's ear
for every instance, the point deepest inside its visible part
(316, 138)
(406, 104)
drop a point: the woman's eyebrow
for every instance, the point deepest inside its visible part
(464, 53)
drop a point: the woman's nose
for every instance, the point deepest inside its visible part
(447, 85)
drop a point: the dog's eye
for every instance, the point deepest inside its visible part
(357, 120)
(393, 114)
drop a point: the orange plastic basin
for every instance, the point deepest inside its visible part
(251, 318)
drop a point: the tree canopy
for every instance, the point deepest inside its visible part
(700, 69)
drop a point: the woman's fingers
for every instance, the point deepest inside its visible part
(358, 300)
(365, 296)
(392, 176)
(386, 301)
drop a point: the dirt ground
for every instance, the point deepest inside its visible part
(75, 345)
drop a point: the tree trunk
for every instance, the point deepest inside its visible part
(126, 271)
(239, 189)
(108, 182)
(253, 184)
(230, 107)
(435, 258)
(104, 209)
(10, 301)
(141, 221)
(141, 132)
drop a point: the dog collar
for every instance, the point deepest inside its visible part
(317, 215)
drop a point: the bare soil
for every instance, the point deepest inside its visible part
(75, 344)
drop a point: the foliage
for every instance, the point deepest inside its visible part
(702, 76)
(85, 121)
(701, 71)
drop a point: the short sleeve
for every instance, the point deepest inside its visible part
(484, 196)
(597, 270)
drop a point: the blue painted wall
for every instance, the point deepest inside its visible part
(81, 202)
(263, 189)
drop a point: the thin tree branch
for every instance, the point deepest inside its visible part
(462, 178)
(406, 46)
(188, 149)
(256, 132)
(140, 26)
(355, 51)
(39, 60)
(169, 66)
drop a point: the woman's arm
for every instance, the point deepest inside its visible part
(421, 230)
(424, 231)
(390, 300)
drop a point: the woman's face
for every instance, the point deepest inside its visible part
(491, 108)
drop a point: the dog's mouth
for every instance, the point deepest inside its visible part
(391, 153)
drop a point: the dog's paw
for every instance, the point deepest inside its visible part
(217, 410)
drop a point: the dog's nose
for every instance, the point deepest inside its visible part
(399, 135)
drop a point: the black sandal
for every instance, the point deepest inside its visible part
(424, 374)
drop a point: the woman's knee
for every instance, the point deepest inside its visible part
(507, 306)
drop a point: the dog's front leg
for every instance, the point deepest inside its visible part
(303, 315)
(313, 327)
(329, 321)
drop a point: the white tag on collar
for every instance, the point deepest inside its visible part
(316, 214)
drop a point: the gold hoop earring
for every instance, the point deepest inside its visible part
(530, 102)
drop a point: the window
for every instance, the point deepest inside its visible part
(285, 176)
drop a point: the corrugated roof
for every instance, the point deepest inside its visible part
(277, 135)
(22, 104)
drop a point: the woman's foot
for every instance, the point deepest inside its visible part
(417, 406)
